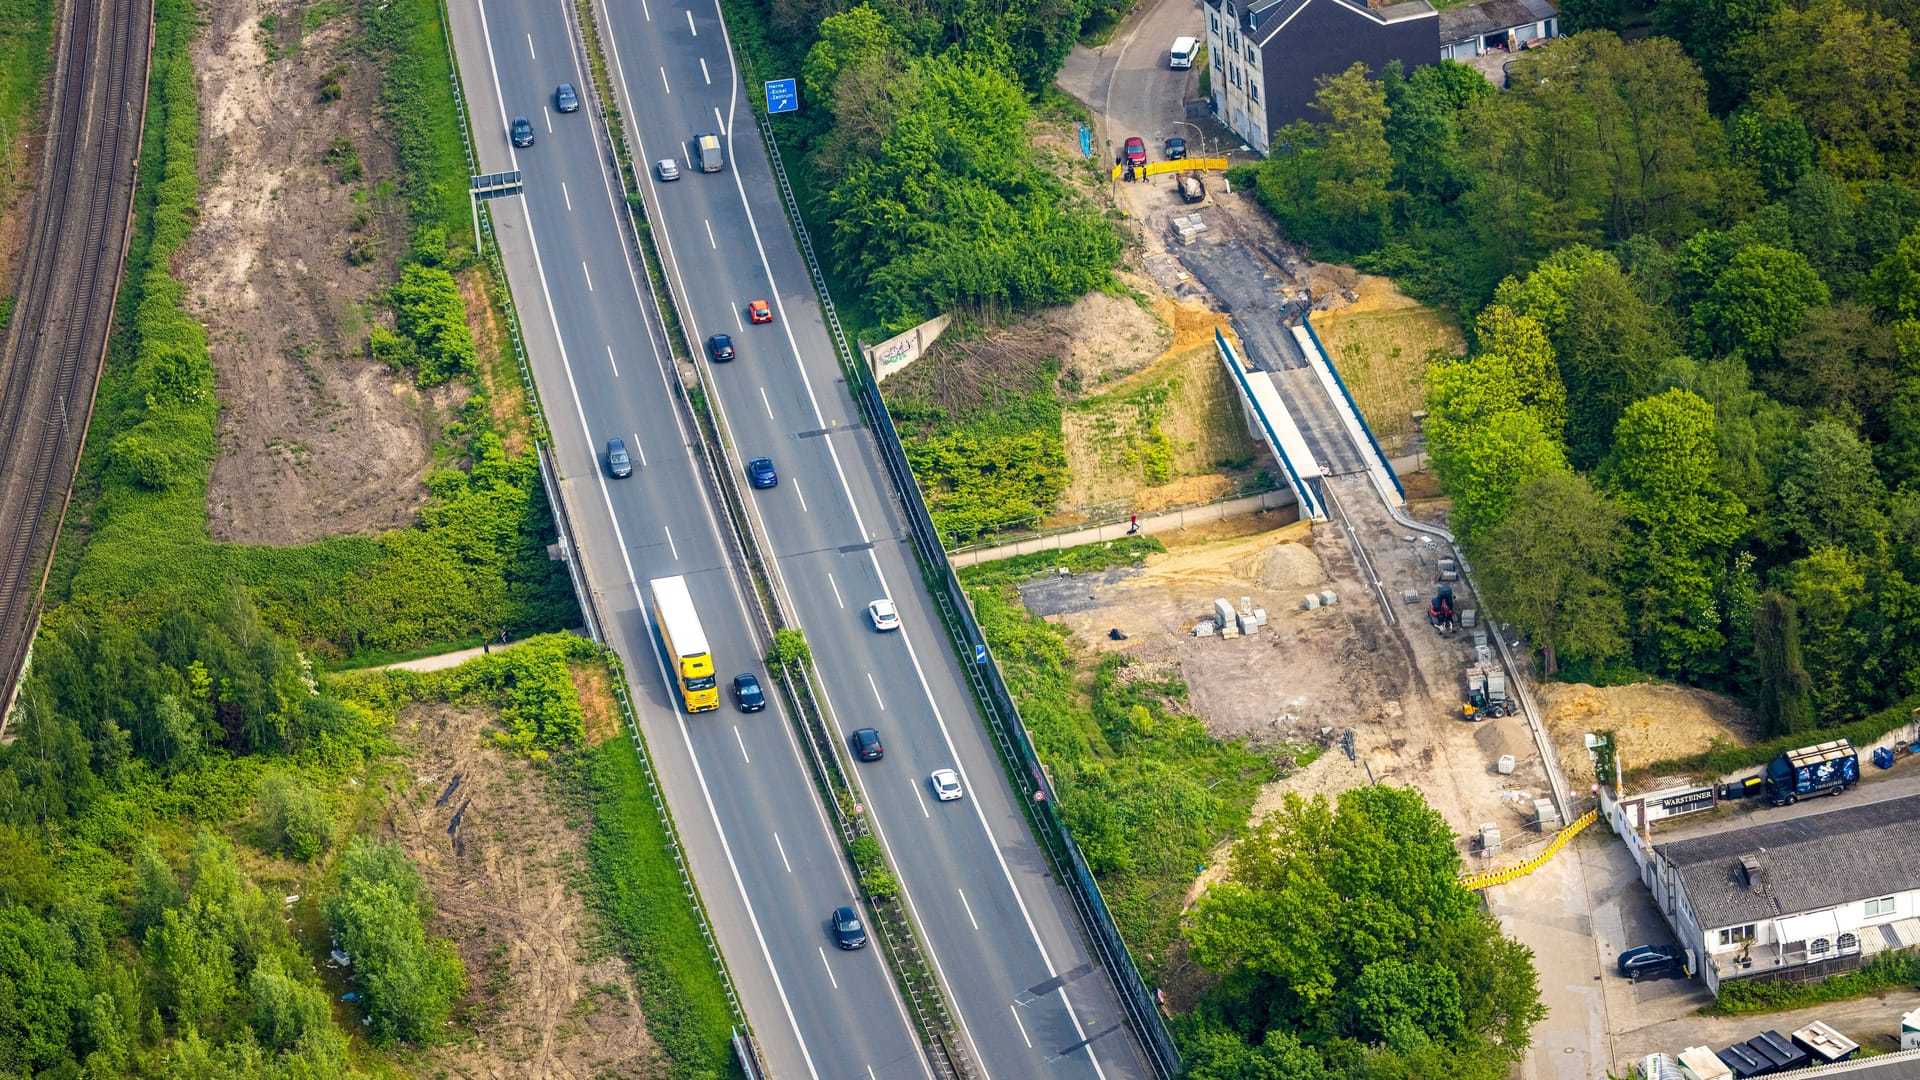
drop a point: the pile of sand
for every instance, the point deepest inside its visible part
(1281, 566)
(1653, 722)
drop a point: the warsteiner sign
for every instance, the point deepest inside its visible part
(1687, 802)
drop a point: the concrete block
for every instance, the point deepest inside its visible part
(1248, 626)
(1328, 599)
(1260, 616)
(1204, 628)
(1223, 612)
(1469, 616)
(1312, 601)
(1506, 765)
(1409, 596)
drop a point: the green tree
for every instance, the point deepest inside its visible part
(1860, 111)
(1770, 138)
(1712, 32)
(1664, 472)
(1760, 300)
(379, 916)
(1522, 343)
(294, 817)
(1781, 697)
(1355, 160)
(1831, 593)
(39, 989)
(1551, 567)
(1829, 494)
(1663, 151)
(285, 1010)
(1843, 362)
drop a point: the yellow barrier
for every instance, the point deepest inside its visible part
(1157, 168)
(1491, 878)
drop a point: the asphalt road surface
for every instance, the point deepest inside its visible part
(756, 838)
(1001, 934)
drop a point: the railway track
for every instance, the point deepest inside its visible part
(76, 249)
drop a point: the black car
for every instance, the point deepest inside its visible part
(618, 463)
(522, 131)
(760, 473)
(565, 99)
(720, 347)
(1649, 961)
(747, 695)
(847, 928)
(866, 745)
(1176, 148)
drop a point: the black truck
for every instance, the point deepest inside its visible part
(1827, 768)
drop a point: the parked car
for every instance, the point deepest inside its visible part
(884, 616)
(1176, 148)
(565, 99)
(1136, 151)
(946, 784)
(667, 169)
(866, 745)
(720, 347)
(747, 693)
(618, 463)
(521, 131)
(1650, 961)
(760, 473)
(847, 929)
(759, 312)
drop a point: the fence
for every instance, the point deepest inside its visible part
(996, 701)
(1502, 876)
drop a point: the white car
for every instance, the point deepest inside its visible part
(883, 615)
(946, 784)
(667, 169)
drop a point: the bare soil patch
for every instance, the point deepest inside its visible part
(1309, 676)
(1380, 343)
(17, 165)
(544, 1002)
(1653, 721)
(499, 369)
(316, 440)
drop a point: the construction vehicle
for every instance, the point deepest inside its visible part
(1827, 768)
(1486, 693)
(1440, 613)
(1193, 189)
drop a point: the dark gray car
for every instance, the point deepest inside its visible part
(565, 99)
(618, 463)
(847, 928)
(522, 132)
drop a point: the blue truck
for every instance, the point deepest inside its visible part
(1827, 768)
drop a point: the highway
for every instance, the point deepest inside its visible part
(1000, 932)
(757, 840)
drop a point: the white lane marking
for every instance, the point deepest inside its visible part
(564, 195)
(969, 907)
(836, 592)
(764, 401)
(721, 122)
(795, 485)
(544, 111)
(945, 733)
(1021, 1026)
(736, 321)
(645, 10)
(530, 51)
(690, 26)
(638, 445)
(670, 544)
(823, 948)
(870, 1075)
(589, 273)
(709, 226)
(663, 81)
(713, 527)
(703, 66)
(743, 744)
(917, 797)
(876, 693)
(783, 853)
(616, 373)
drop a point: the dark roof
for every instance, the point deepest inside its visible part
(1807, 863)
(1266, 16)
(1902, 1065)
(1491, 17)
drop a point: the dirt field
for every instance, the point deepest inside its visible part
(315, 440)
(1308, 676)
(541, 1004)
(1380, 344)
(1654, 722)
(1183, 396)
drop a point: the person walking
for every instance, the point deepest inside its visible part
(1133, 524)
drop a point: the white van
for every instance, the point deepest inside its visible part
(1183, 51)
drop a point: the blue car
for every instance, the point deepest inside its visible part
(760, 473)
(565, 99)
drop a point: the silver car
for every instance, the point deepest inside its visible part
(667, 169)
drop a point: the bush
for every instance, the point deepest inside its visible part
(790, 650)
(379, 915)
(428, 308)
(294, 817)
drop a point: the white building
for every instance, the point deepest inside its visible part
(1801, 898)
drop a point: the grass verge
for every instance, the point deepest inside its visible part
(635, 887)
(26, 54)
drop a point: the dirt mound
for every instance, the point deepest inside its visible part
(1107, 336)
(1654, 722)
(315, 440)
(542, 1004)
(1282, 566)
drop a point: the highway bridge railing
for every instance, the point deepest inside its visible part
(996, 702)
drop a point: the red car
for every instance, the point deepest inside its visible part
(1136, 152)
(758, 311)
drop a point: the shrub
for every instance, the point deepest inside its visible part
(294, 817)
(379, 914)
(345, 159)
(428, 308)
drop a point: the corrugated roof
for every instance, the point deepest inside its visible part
(1491, 17)
(1808, 863)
